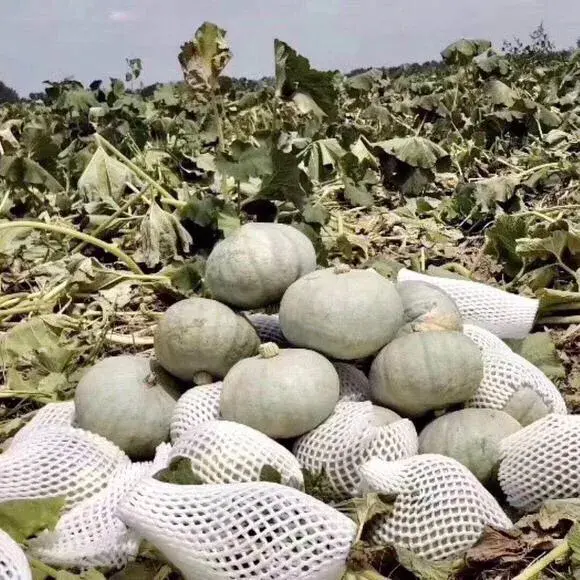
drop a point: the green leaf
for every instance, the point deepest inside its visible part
(269, 473)
(228, 222)
(315, 214)
(540, 350)
(23, 519)
(24, 171)
(357, 194)
(294, 75)
(248, 162)
(500, 94)
(463, 50)
(204, 59)
(105, 177)
(427, 569)
(488, 192)
(415, 151)
(179, 472)
(501, 242)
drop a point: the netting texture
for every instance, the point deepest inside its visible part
(505, 315)
(52, 414)
(440, 509)
(540, 462)
(267, 326)
(58, 461)
(484, 339)
(195, 407)
(504, 374)
(13, 562)
(239, 531)
(354, 384)
(347, 439)
(228, 452)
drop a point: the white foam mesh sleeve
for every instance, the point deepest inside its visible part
(505, 315)
(195, 407)
(484, 339)
(52, 414)
(228, 452)
(504, 374)
(540, 462)
(13, 562)
(58, 462)
(347, 439)
(354, 384)
(239, 531)
(267, 326)
(440, 509)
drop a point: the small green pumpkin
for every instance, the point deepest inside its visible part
(426, 371)
(471, 436)
(281, 392)
(253, 266)
(129, 400)
(199, 338)
(343, 313)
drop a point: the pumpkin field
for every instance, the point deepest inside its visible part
(314, 327)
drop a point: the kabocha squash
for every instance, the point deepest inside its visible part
(254, 266)
(281, 392)
(384, 416)
(345, 314)
(427, 308)
(198, 337)
(471, 436)
(129, 400)
(425, 371)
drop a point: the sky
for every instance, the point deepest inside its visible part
(90, 39)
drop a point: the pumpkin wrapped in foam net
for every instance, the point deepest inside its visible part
(540, 462)
(13, 562)
(505, 315)
(58, 461)
(228, 452)
(348, 438)
(195, 407)
(440, 508)
(484, 339)
(260, 530)
(354, 384)
(267, 326)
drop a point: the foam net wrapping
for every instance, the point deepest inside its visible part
(485, 340)
(195, 407)
(262, 531)
(228, 452)
(540, 462)
(267, 326)
(13, 562)
(440, 509)
(354, 384)
(505, 315)
(347, 439)
(506, 373)
(57, 461)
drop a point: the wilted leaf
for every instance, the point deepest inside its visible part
(23, 171)
(500, 94)
(248, 161)
(426, 569)
(463, 50)
(488, 192)
(356, 194)
(287, 181)
(316, 214)
(105, 177)
(415, 151)
(540, 350)
(203, 59)
(23, 519)
(228, 223)
(179, 472)
(501, 242)
(269, 473)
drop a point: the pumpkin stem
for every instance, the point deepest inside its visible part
(341, 268)
(268, 350)
(202, 378)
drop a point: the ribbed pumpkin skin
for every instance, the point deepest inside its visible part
(282, 396)
(427, 308)
(198, 334)
(423, 371)
(129, 400)
(471, 436)
(345, 316)
(254, 266)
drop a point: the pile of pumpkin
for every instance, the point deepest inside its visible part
(397, 388)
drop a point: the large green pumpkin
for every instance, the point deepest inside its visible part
(343, 313)
(425, 371)
(427, 308)
(281, 392)
(471, 436)
(198, 337)
(253, 266)
(129, 400)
